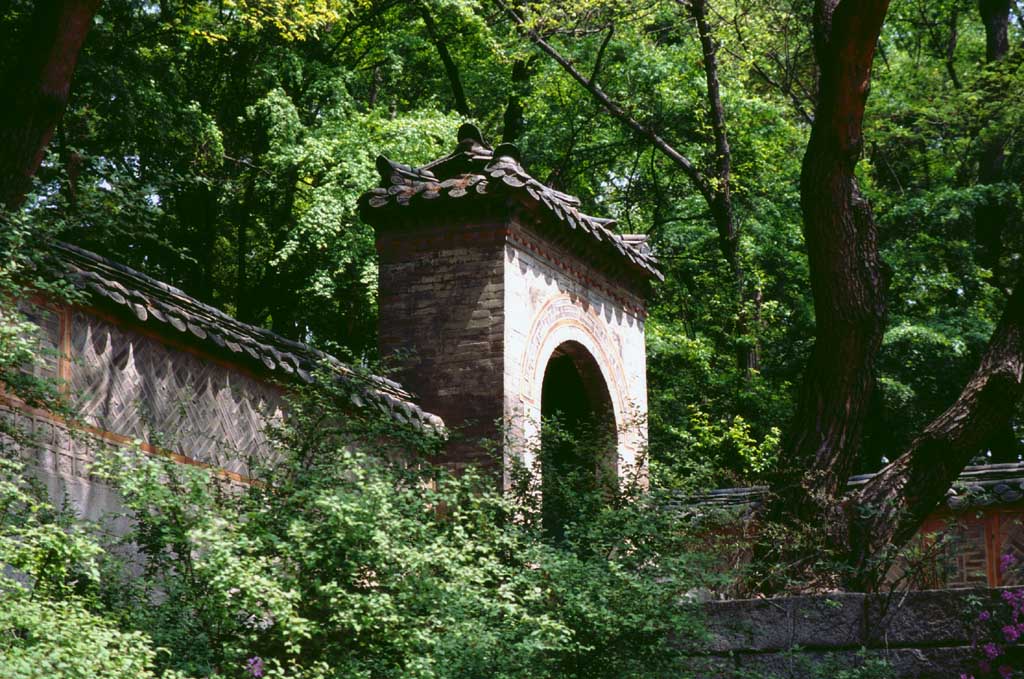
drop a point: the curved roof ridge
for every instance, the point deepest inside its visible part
(475, 169)
(153, 302)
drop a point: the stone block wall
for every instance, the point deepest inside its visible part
(923, 635)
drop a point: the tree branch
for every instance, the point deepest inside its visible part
(451, 69)
(600, 53)
(682, 162)
(722, 204)
(906, 491)
(716, 192)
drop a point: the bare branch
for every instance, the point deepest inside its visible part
(685, 164)
(600, 53)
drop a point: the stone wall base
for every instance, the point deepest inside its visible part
(931, 634)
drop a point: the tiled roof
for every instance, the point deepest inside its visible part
(474, 170)
(976, 487)
(155, 303)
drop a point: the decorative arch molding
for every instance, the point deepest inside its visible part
(564, 319)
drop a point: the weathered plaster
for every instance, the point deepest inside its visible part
(550, 300)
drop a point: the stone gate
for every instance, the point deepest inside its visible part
(499, 297)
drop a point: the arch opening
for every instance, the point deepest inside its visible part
(579, 438)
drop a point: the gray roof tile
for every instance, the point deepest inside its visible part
(156, 303)
(474, 169)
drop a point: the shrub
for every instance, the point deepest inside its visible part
(353, 556)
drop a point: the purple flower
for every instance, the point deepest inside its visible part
(1010, 633)
(984, 615)
(984, 666)
(255, 666)
(1015, 597)
(1005, 671)
(992, 651)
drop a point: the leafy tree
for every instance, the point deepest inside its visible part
(221, 148)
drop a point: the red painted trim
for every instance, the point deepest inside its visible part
(112, 437)
(585, 274)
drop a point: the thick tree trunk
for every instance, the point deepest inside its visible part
(905, 492)
(849, 287)
(847, 278)
(37, 88)
(991, 217)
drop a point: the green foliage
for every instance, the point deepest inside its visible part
(344, 562)
(695, 442)
(46, 638)
(22, 271)
(49, 626)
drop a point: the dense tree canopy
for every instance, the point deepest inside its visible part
(221, 147)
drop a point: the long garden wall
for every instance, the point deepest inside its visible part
(933, 634)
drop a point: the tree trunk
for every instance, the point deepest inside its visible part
(950, 53)
(451, 69)
(514, 121)
(849, 286)
(38, 86)
(995, 14)
(721, 203)
(244, 307)
(905, 492)
(991, 217)
(847, 278)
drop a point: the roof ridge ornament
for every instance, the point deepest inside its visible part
(474, 169)
(392, 172)
(471, 140)
(471, 132)
(507, 150)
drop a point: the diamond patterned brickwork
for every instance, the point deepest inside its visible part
(135, 386)
(170, 313)
(48, 337)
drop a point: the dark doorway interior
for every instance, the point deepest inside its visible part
(578, 441)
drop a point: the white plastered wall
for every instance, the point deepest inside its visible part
(546, 305)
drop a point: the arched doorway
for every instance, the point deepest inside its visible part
(579, 437)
